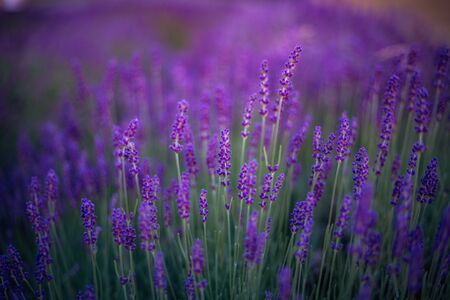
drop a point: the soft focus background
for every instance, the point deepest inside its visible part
(41, 40)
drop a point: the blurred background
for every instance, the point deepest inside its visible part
(47, 47)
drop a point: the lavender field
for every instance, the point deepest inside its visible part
(251, 150)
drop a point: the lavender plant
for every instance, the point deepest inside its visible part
(309, 188)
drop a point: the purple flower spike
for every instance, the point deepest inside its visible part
(247, 117)
(342, 221)
(132, 156)
(264, 88)
(150, 189)
(430, 183)
(288, 72)
(51, 186)
(285, 283)
(300, 212)
(317, 142)
(148, 226)
(203, 205)
(242, 184)
(224, 158)
(189, 286)
(344, 136)
(396, 192)
(184, 203)
(303, 241)
(131, 131)
(296, 143)
(123, 232)
(360, 171)
(441, 72)
(265, 189)
(276, 189)
(388, 123)
(422, 111)
(254, 242)
(159, 274)
(191, 161)
(197, 258)
(89, 221)
(178, 127)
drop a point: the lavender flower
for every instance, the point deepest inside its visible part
(430, 183)
(360, 171)
(43, 259)
(16, 263)
(150, 189)
(89, 221)
(148, 226)
(123, 232)
(189, 286)
(159, 277)
(342, 222)
(184, 203)
(132, 156)
(441, 72)
(298, 215)
(287, 73)
(191, 161)
(130, 132)
(344, 136)
(178, 127)
(296, 142)
(254, 241)
(51, 186)
(247, 117)
(224, 158)
(264, 88)
(242, 184)
(197, 257)
(422, 111)
(417, 148)
(388, 124)
(203, 205)
(277, 187)
(265, 189)
(396, 192)
(303, 241)
(285, 283)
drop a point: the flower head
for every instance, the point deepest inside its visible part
(430, 183)
(203, 205)
(184, 203)
(344, 136)
(224, 158)
(177, 134)
(148, 225)
(285, 283)
(89, 221)
(197, 258)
